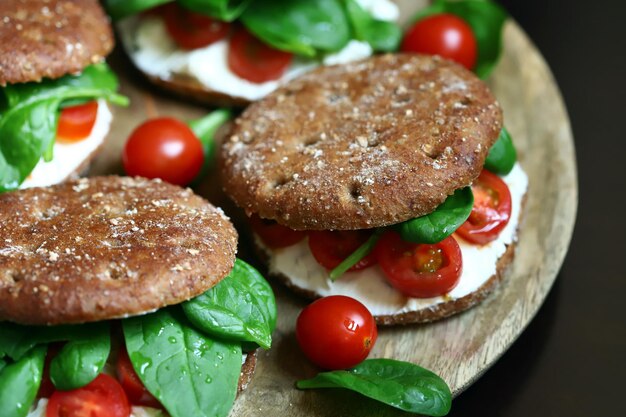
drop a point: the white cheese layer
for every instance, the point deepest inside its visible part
(154, 52)
(68, 157)
(370, 286)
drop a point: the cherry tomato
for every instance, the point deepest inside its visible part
(419, 270)
(103, 397)
(192, 30)
(255, 61)
(135, 390)
(491, 211)
(331, 248)
(163, 148)
(76, 122)
(46, 389)
(443, 34)
(336, 332)
(275, 235)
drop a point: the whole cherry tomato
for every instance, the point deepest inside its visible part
(255, 61)
(192, 30)
(76, 122)
(102, 397)
(163, 148)
(275, 235)
(135, 390)
(331, 248)
(445, 35)
(419, 270)
(336, 332)
(491, 212)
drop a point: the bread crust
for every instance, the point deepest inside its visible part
(247, 371)
(362, 145)
(107, 247)
(51, 38)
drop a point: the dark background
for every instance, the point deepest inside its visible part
(571, 360)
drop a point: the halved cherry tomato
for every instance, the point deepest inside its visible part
(443, 34)
(163, 148)
(192, 30)
(135, 390)
(103, 397)
(76, 122)
(255, 61)
(331, 248)
(336, 332)
(491, 211)
(46, 389)
(275, 235)
(419, 270)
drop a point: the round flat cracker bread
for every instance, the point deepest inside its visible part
(107, 247)
(51, 38)
(361, 145)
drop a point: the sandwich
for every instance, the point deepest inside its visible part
(54, 88)
(230, 53)
(368, 180)
(123, 297)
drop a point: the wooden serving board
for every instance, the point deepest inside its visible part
(460, 348)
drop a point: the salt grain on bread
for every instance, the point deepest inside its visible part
(107, 247)
(51, 38)
(362, 145)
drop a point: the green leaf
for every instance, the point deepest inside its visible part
(188, 372)
(205, 129)
(502, 155)
(19, 383)
(29, 118)
(3, 363)
(380, 34)
(80, 361)
(304, 27)
(399, 384)
(486, 19)
(241, 307)
(227, 10)
(119, 9)
(441, 223)
(361, 252)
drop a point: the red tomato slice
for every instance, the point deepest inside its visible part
(331, 248)
(192, 30)
(420, 270)
(103, 397)
(134, 388)
(491, 211)
(47, 388)
(275, 235)
(445, 35)
(76, 122)
(255, 61)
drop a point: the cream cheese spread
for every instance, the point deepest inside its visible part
(370, 286)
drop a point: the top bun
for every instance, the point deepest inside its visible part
(363, 145)
(107, 247)
(51, 38)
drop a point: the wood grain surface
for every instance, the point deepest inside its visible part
(461, 348)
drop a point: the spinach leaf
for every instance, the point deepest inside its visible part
(360, 253)
(80, 361)
(119, 9)
(16, 340)
(486, 19)
(19, 383)
(502, 155)
(28, 120)
(205, 129)
(227, 10)
(188, 372)
(399, 384)
(3, 363)
(241, 307)
(303, 27)
(441, 223)
(380, 34)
